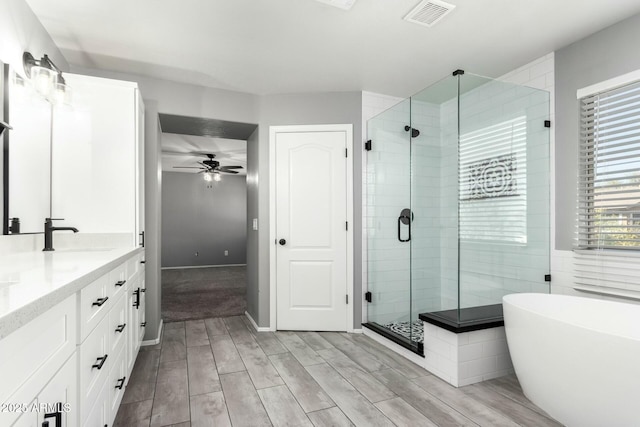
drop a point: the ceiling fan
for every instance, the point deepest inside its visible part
(211, 168)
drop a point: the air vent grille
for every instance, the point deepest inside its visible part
(429, 12)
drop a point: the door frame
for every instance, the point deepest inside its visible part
(273, 130)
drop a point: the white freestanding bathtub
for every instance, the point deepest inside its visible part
(577, 358)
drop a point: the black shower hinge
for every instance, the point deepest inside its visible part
(547, 277)
(458, 72)
(367, 296)
(547, 123)
(367, 145)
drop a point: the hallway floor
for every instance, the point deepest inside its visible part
(199, 293)
(220, 372)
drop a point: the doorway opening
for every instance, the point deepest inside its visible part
(204, 217)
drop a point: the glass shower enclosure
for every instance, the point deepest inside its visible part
(457, 205)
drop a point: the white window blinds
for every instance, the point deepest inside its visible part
(609, 170)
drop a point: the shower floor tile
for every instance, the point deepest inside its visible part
(410, 330)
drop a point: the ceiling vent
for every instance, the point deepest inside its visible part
(429, 12)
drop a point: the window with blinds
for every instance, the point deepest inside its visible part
(493, 187)
(609, 170)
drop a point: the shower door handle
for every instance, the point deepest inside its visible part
(402, 219)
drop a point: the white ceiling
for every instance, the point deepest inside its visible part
(178, 150)
(288, 46)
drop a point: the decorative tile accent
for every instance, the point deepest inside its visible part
(410, 330)
(493, 177)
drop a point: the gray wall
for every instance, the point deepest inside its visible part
(601, 56)
(204, 219)
(305, 109)
(152, 219)
(253, 282)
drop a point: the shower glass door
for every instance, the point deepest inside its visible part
(388, 229)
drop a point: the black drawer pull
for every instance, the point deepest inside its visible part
(120, 282)
(99, 302)
(56, 415)
(120, 383)
(143, 324)
(136, 303)
(120, 328)
(100, 361)
(142, 262)
(143, 290)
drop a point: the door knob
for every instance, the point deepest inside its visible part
(282, 242)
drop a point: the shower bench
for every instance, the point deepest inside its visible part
(466, 346)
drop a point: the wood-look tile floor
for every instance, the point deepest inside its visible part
(220, 372)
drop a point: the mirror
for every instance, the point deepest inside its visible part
(26, 156)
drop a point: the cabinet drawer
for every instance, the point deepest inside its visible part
(118, 324)
(61, 392)
(93, 305)
(118, 279)
(98, 412)
(118, 377)
(94, 363)
(31, 355)
(27, 419)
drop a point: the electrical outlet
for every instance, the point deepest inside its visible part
(226, 253)
(255, 223)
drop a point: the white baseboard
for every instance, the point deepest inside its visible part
(255, 325)
(357, 331)
(157, 340)
(202, 266)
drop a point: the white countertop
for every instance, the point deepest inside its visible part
(33, 282)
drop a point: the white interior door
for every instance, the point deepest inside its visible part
(311, 229)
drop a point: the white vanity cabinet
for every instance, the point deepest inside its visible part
(70, 365)
(108, 352)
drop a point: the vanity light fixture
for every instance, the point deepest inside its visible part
(46, 78)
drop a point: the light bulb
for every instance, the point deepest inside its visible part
(61, 94)
(216, 177)
(207, 176)
(43, 80)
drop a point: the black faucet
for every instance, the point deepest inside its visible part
(48, 232)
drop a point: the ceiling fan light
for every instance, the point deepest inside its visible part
(216, 177)
(207, 176)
